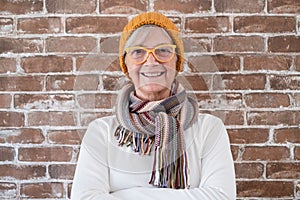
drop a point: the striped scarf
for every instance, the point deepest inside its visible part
(159, 123)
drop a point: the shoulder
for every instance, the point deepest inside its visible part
(209, 121)
(99, 129)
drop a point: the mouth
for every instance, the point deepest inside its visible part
(152, 74)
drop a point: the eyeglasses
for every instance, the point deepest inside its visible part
(162, 53)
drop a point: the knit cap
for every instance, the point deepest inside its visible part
(151, 18)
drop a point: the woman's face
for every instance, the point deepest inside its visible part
(152, 79)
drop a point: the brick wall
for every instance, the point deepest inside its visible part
(59, 70)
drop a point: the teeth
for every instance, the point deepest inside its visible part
(153, 74)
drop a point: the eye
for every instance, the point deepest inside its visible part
(137, 52)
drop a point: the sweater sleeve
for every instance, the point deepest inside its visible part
(217, 172)
(91, 180)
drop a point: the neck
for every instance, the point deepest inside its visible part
(155, 96)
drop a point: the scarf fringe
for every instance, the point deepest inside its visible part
(139, 142)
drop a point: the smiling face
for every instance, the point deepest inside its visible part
(152, 79)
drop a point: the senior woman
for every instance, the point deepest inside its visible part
(157, 145)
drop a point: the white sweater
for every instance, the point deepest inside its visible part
(111, 172)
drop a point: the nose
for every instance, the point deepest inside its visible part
(151, 59)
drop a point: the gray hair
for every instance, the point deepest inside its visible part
(141, 33)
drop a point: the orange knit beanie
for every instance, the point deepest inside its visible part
(151, 18)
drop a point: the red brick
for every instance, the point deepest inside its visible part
(42, 190)
(65, 136)
(233, 117)
(92, 63)
(207, 24)
(21, 83)
(87, 118)
(287, 135)
(109, 45)
(297, 63)
(40, 25)
(22, 172)
(284, 82)
(262, 24)
(51, 118)
(125, 7)
(45, 154)
(248, 135)
(113, 82)
(23, 136)
(241, 82)
(5, 100)
(11, 119)
(267, 100)
(7, 65)
(6, 25)
(197, 44)
(192, 6)
(219, 100)
(8, 190)
(284, 44)
(71, 44)
(235, 152)
(266, 153)
(95, 24)
(283, 6)
(297, 153)
(21, 6)
(96, 100)
(70, 82)
(283, 170)
(239, 44)
(214, 63)
(7, 154)
(273, 118)
(249, 170)
(21, 45)
(71, 6)
(62, 171)
(263, 62)
(239, 6)
(271, 189)
(45, 64)
(44, 101)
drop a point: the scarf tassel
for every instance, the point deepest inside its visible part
(138, 141)
(175, 175)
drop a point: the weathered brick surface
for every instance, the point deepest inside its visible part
(283, 6)
(59, 70)
(7, 65)
(120, 6)
(264, 24)
(192, 6)
(262, 62)
(21, 45)
(40, 25)
(21, 6)
(42, 190)
(71, 6)
(239, 6)
(207, 25)
(44, 64)
(239, 44)
(95, 24)
(249, 170)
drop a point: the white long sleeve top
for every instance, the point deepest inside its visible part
(107, 171)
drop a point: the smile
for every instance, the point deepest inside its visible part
(151, 75)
